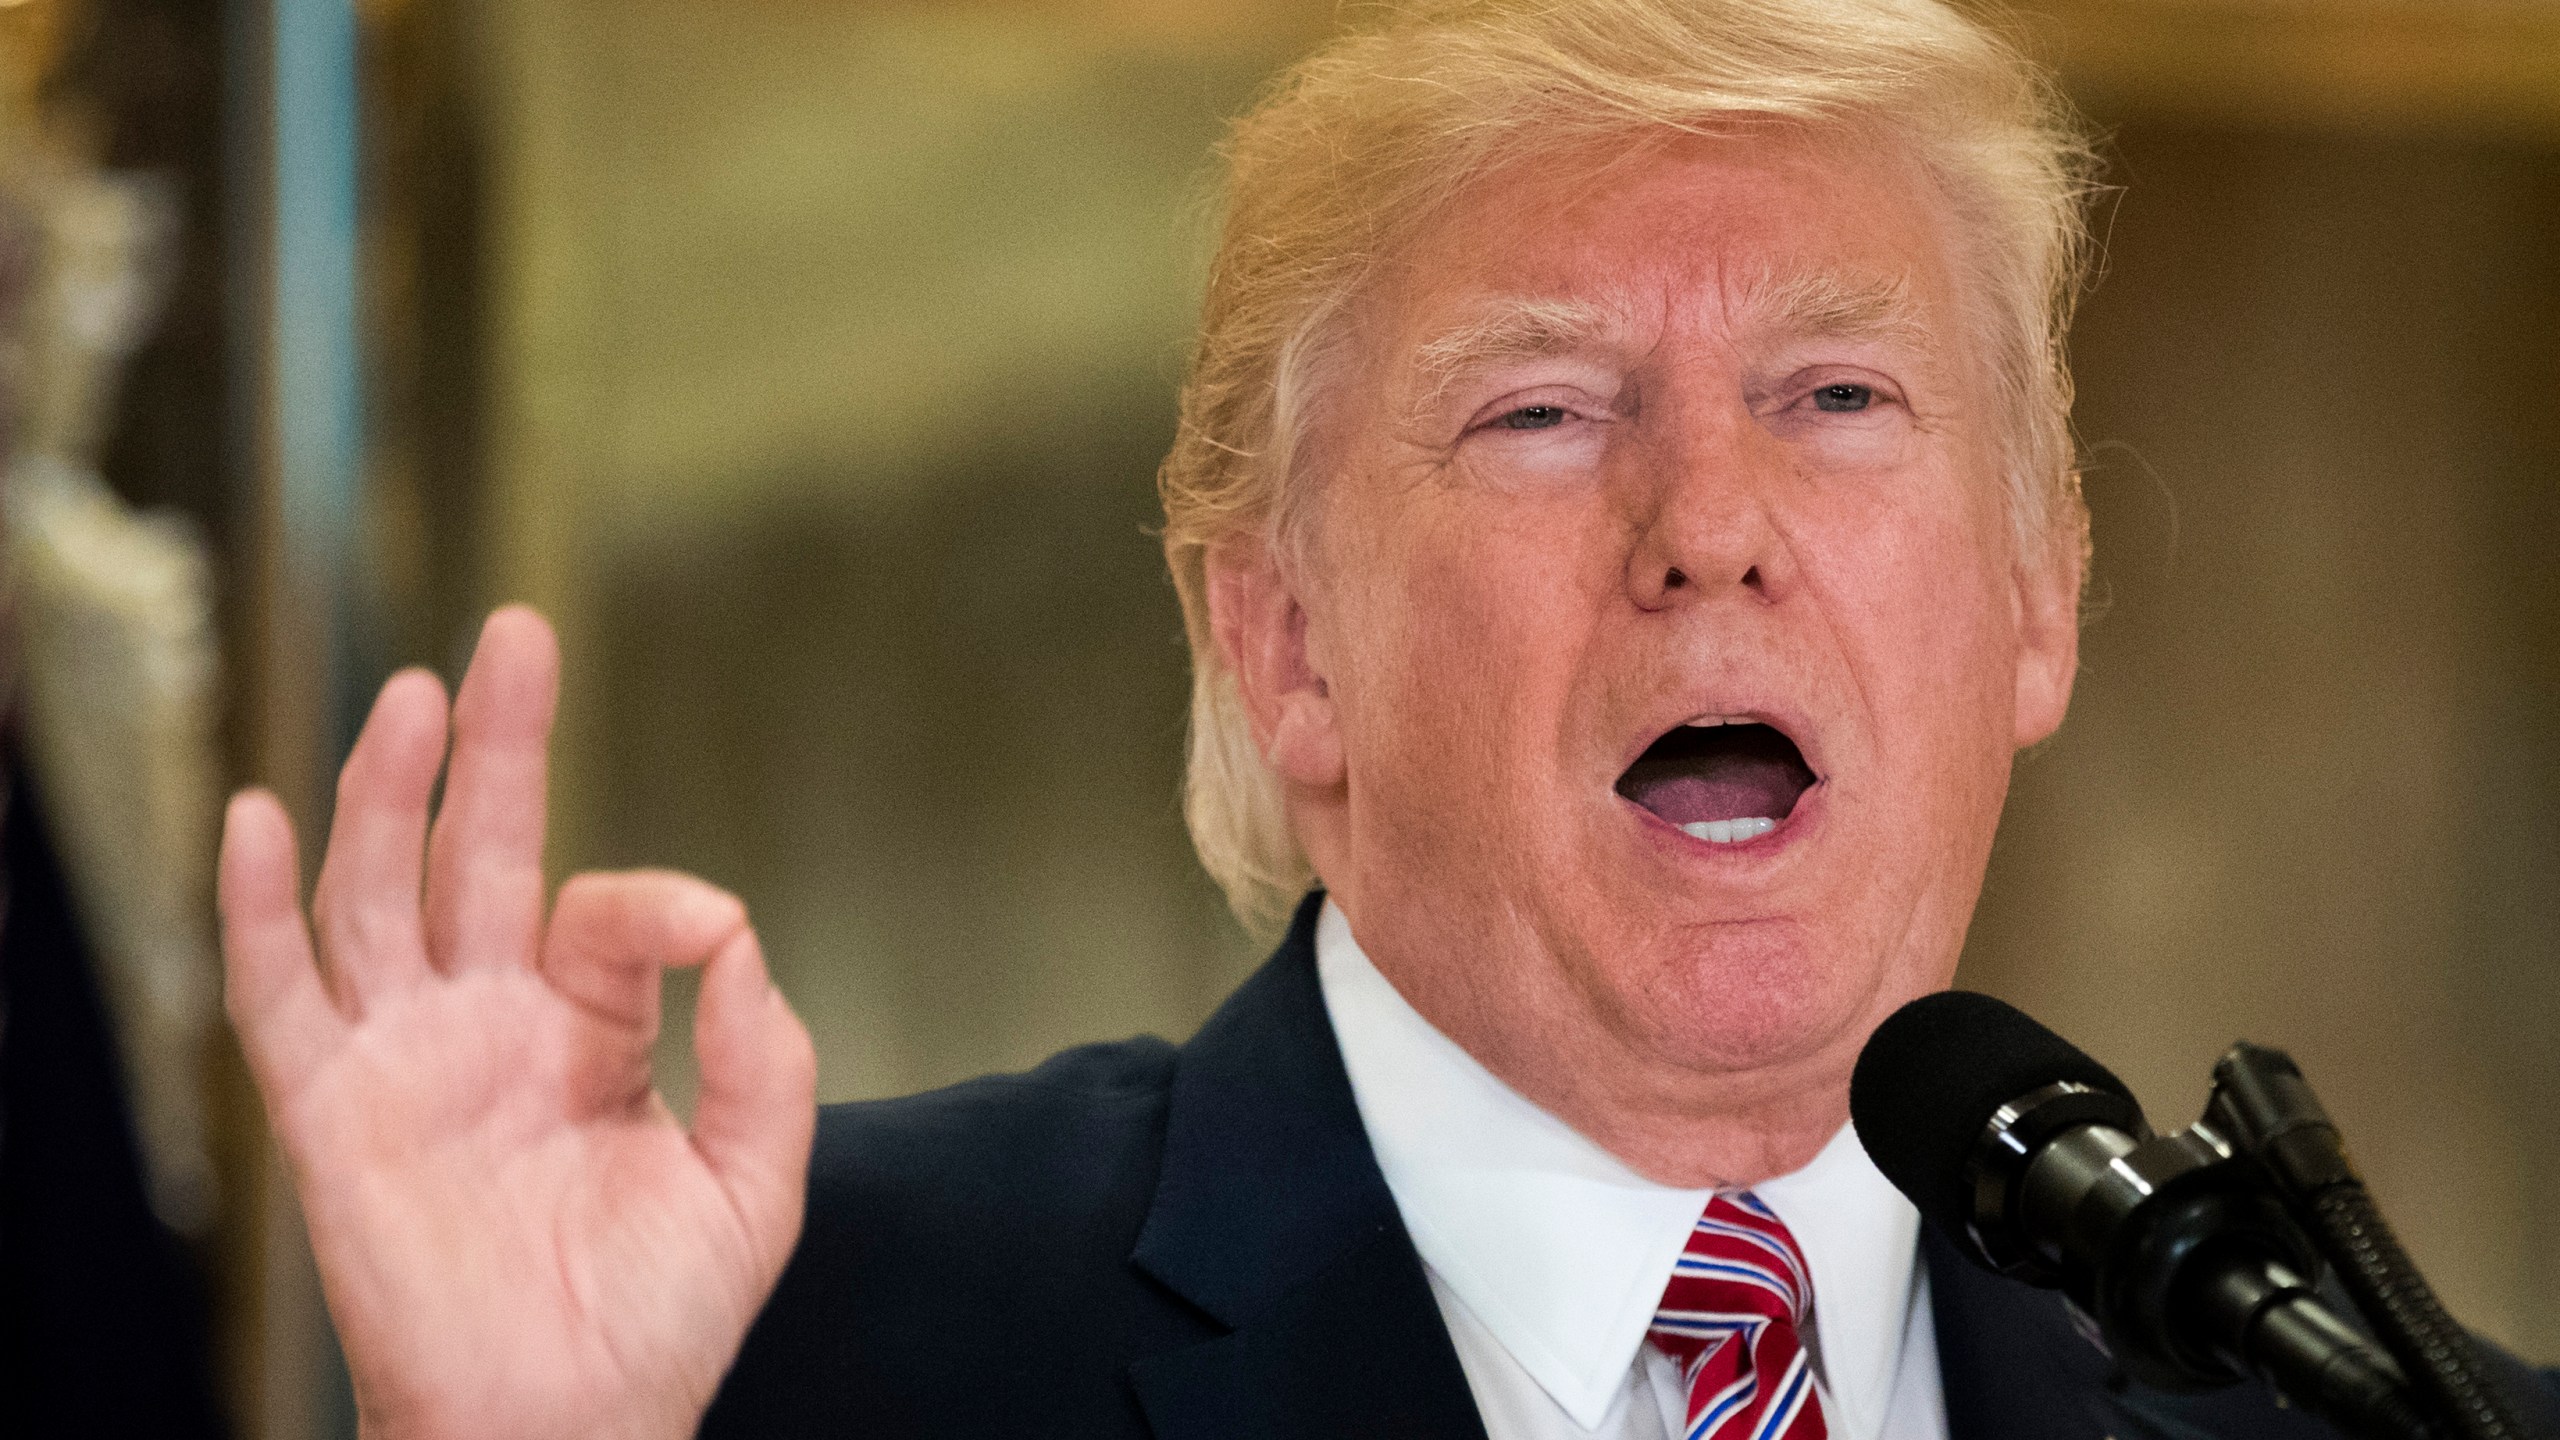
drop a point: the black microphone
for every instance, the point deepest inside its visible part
(2037, 1162)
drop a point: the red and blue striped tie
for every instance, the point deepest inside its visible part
(1730, 1316)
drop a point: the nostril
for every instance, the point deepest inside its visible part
(1674, 580)
(1751, 577)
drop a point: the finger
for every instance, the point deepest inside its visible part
(484, 860)
(271, 982)
(366, 904)
(612, 933)
(756, 1111)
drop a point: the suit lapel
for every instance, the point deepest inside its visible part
(1270, 1215)
(2013, 1367)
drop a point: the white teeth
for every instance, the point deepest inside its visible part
(1709, 722)
(1730, 832)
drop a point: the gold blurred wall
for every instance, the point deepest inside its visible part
(835, 352)
(830, 348)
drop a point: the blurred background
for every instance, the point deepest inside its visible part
(808, 364)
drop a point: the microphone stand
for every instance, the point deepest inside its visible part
(2186, 1260)
(2266, 1110)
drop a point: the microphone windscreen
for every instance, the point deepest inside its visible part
(1931, 1077)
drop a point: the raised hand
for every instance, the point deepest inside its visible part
(515, 1235)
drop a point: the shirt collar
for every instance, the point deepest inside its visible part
(1561, 1249)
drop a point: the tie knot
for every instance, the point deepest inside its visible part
(1740, 1265)
(1732, 1316)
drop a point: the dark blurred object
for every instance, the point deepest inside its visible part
(103, 1323)
(141, 81)
(111, 656)
(107, 1184)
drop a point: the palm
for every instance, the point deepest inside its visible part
(515, 1235)
(560, 1203)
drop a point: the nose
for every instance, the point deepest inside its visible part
(1704, 522)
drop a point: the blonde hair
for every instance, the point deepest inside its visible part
(1358, 146)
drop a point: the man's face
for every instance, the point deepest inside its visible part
(1648, 693)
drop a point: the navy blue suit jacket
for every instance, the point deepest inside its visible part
(1194, 1243)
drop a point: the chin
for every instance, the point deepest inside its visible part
(1752, 997)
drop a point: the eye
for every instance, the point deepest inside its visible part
(1533, 417)
(1843, 398)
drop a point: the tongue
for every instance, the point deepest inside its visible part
(1721, 787)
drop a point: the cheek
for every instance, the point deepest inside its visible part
(1468, 634)
(1925, 603)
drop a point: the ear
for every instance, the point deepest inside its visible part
(2048, 637)
(1261, 629)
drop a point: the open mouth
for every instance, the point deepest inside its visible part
(1721, 781)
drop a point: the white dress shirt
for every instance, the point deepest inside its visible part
(1548, 1255)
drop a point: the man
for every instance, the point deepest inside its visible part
(1625, 521)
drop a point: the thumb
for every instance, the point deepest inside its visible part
(611, 934)
(756, 1111)
(613, 931)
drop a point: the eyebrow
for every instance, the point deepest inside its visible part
(1808, 305)
(1821, 305)
(1507, 330)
